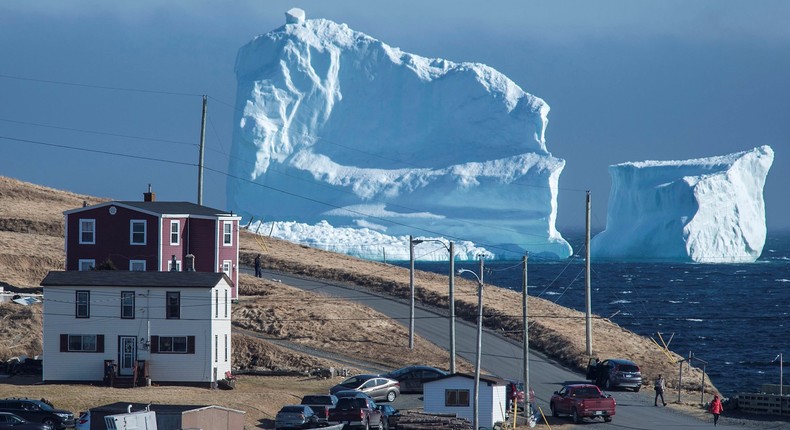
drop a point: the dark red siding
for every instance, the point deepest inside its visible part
(112, 238)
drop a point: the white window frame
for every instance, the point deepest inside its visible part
(226, 302)
(170, 265)
(127, 305)
(86, 264)
(216, 348)
(133, 223)
(227, 267)
(92, 223)
(82, 304)
(227, 233)
(175, 234)
(226, 347)
(132, 264)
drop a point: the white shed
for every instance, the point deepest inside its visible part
(454, 394)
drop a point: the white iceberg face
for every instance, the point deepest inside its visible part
(708, 210)
(335, 125)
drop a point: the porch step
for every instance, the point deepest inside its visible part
(123, 382)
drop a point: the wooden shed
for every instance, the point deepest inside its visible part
(196, 417)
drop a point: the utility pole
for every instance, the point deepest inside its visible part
(587, 279)
(476, 417)
(411, 291)
(525, 308)
(452, 307)
(202, 149)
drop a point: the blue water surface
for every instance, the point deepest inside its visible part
(735, 317)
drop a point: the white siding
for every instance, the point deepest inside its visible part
(196, 319)
(491, 400)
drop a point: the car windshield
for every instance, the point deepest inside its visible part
(43, 406)
(317, 400)
(292, 409)
(354, 381)
(586, 393)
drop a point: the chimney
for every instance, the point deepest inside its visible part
(189, 263)
(149, 196)
(173, 265)
(84, 203)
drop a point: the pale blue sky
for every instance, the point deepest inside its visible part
(626, 81)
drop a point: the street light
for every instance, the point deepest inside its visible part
(451, 298)
(475, 419)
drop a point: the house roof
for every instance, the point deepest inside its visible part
(162, 208)
(485, 378)
(122, 407)
(121, 278)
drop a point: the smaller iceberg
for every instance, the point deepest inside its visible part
(707, 210)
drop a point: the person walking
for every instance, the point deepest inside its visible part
(716, 409)
(258, 273)
(659, 386)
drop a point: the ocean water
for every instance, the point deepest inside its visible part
(734, 317)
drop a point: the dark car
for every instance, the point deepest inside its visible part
(351, 393)
(11, 421)
(375, 386)
(412, 378)
(38, 411)
(614, 373)
(389, 416)
(295, 417)
(321, 404)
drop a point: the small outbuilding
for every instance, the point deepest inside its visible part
(454, 394)
(176, 416)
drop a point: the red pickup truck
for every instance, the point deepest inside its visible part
(356, 412)
(583, 400)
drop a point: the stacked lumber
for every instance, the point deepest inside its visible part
(413, 420)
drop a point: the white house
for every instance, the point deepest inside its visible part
(454, 394)
(177, 322)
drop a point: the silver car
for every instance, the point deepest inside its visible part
(375, 386)
(295, 417)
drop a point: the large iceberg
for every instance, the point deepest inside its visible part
(333, 125)
(707, 210)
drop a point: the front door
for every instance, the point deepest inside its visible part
(127, 354)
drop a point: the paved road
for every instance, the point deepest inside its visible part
(502, 357)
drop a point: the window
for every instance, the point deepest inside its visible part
(226, 265)
(173, 305)
(81, 343)
(216, 348)
(86, 265)
(137, 265)
(216, 303)
(173, 344)
(456, 397)
(175, 231)
(227, 233)
(226, 348)
(226, 303)
(137, 232)
(87, 231)
(127, 304)
(83, 304)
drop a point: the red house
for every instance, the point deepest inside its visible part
(153, 236)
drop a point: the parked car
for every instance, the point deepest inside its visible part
(295, 417)
(357, 412)
(12, 421)
(375, 386)
(515, 391)
(582, 400)
(351, 393)
(389, 416)
(412, 378)
(84, 421)
(614, 373)
(321, 404)
(38, 411)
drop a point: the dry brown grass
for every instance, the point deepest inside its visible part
(31, 244)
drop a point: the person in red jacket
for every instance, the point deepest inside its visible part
(715, 408)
